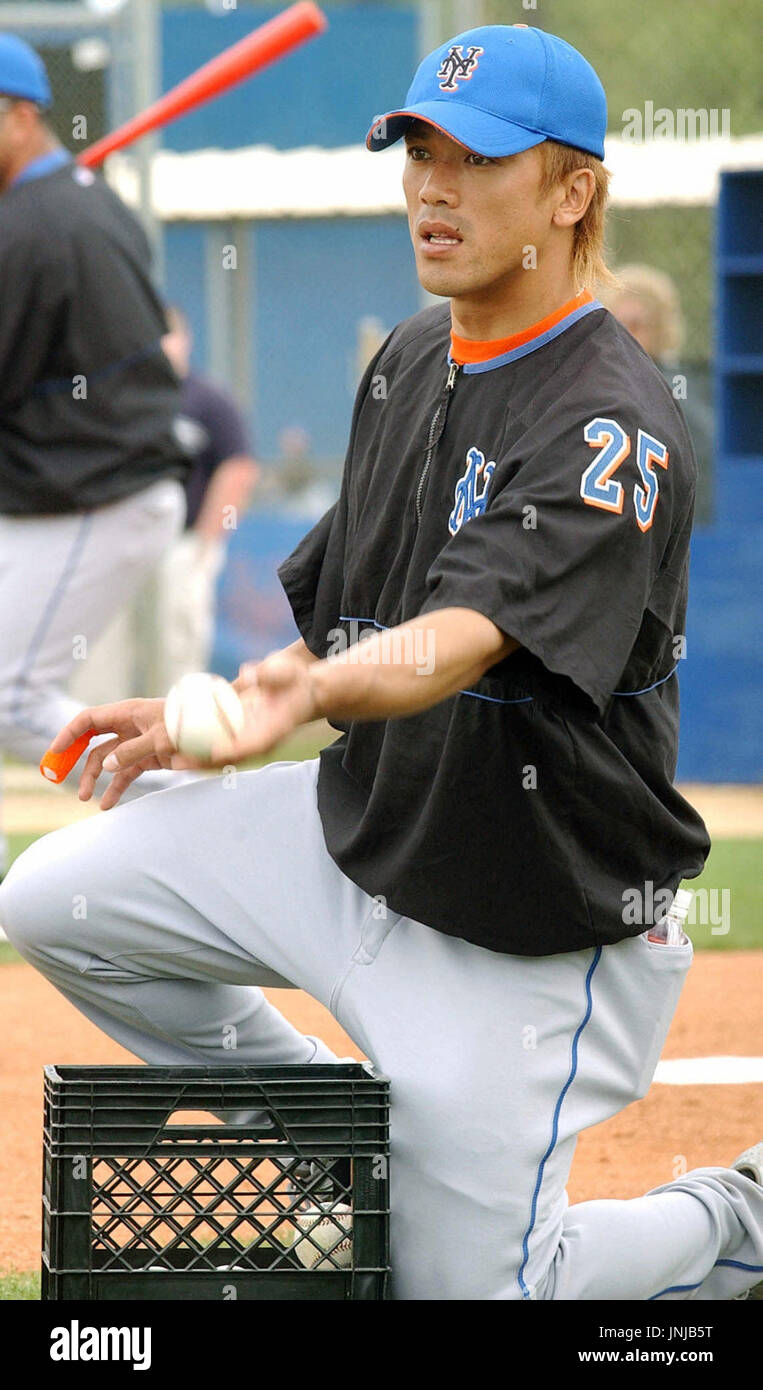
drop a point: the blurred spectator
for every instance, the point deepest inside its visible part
(212, 428)
(302, 491)
(177, 608)
(647, 303)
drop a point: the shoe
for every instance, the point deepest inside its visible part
(751, 1164)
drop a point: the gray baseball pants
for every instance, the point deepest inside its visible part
(61, 579)
(199, 895)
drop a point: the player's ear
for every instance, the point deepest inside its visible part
(576, 193)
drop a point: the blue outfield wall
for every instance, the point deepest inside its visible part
(253, 614)
(722, 676)
(314, 281)
(185, 277)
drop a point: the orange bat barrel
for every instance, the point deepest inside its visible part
(264, 45)
(56, 766)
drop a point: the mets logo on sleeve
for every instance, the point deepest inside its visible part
(458, 66)
(471, 490)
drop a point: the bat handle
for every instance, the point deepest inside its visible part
(56, 766)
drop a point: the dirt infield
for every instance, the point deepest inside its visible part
(673, 1129)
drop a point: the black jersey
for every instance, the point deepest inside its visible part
(88, 399)
(551, 489)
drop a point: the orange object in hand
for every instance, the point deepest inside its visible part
(56, 766)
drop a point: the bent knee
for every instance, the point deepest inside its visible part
(36, 906)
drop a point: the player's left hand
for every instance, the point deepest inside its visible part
(140, 737)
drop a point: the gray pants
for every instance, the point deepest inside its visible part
(61, 579)
(162, 919)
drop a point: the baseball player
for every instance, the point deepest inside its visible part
(167, 630)
(90, 468)
(510, 547)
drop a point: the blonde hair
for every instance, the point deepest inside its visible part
(588, 251)
(657, 292)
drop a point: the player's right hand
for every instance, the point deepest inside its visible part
(247, 677)
(139, 734)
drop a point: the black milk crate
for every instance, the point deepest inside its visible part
(146, 1195)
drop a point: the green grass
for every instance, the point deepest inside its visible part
(18, 843)
(730, 887)
(306, 742)
(14, 1287)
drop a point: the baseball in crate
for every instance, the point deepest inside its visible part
(491, 618)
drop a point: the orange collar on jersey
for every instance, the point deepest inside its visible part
(467, 350)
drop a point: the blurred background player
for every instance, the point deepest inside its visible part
(178, 604)
(166, 629)
(647, 303)
(91, 467)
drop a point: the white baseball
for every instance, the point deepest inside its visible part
(202, 712)
(323, 1227)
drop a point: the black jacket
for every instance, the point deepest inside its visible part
(87, 398)
(552, 490)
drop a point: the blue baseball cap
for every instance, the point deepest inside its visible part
(500, 89)
(22, 71)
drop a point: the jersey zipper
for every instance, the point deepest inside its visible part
(436, 428)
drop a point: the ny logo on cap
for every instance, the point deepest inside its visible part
(457, 67)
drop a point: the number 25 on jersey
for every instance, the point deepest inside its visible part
(598, 485)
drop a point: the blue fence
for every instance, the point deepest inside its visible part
(722, 676)
(253, 614)
(313, 280)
